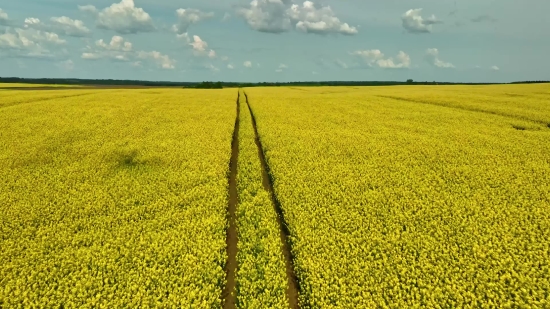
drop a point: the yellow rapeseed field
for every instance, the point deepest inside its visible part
(394, 197)
(114, 198)
(413, 197)
(16, 97)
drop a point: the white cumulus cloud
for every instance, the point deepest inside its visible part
(281, 68)
(163, 61)
(91, 56)
(413, 22)
(200, 47)
(4, 18)
(432, 56)
(89, 9)
(198, 44)
(230, 66)
(495, 68)
(123, 17)
(187, 17)
(63, 25)
(70, 27)
(276, 16)
(184, 36)
(117, 43)
(29, 43)
(117, 49)
(40, 36)
(267, 15)
(32, 22)
(375, 58)
(247, 64)
(321, 20)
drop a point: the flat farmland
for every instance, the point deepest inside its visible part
(114, 198)
(413, 197)
(312, 197)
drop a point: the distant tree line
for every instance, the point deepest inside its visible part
(209, 85)
(532, 82)
(218, 85)
(93, 82)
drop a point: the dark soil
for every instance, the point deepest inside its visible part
(228, 294)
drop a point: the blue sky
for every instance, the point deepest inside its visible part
(276, 40)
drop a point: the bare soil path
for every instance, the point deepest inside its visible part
(228, 294)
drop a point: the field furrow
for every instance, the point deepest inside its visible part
(229, 296)
(522, 102)
(292, 288)
(261, 276)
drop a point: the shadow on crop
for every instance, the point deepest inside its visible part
(530, 127)
(133, 159)
(519, 128)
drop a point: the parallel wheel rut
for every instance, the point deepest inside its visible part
(293, 286)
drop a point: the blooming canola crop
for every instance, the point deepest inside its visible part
(396, 203)
(394, 197)
(114, 199)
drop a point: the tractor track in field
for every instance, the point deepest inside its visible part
(469, 109)
(228, 293)
(293, 288)
(45, 100)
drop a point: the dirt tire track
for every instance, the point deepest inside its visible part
(293, 289)
(229, 292)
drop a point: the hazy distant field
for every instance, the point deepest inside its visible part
(15, 85)
(330, 197)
